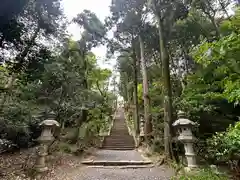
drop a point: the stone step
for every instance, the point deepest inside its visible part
(119, 138)
(119, 145)
(118, 149)
(120, 132)
(120, 135)
(127, 141)
(119, 141)
(124, 166)
(114, 163)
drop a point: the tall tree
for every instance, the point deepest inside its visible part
(127, 21)
(24, 27)
(93, 35)
(166, 13)
(146, 98)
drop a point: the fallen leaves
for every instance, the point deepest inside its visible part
(18, 165)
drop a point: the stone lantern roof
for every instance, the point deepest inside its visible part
(182, 121)
(49, 122)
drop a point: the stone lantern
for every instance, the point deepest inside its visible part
(46, 137)
(142, 122)
(184, 129)
(141, 128)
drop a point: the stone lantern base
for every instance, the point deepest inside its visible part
(40, 165)
(41, 169)
(190, 169)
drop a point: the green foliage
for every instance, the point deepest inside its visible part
(233, 23)
(60, 86)
(204, 174)
(94, 30)
(21, 23)
(225, 146)
(213, 90)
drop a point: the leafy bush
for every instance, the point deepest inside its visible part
(225, 146)
(205, 174)
(18, 125)
(211, 95)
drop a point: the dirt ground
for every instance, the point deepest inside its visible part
(19, 165)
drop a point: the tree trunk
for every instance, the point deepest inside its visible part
(84, 112)
(146, 99)
(7, 91)
(168, 109)
(135, 97)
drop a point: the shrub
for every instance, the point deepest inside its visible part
(204, 174)
(225, 146)
(18, 124)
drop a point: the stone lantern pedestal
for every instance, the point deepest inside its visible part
(184, 129)
(142, 128)
(45, 139)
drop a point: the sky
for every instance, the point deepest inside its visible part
(101, 9)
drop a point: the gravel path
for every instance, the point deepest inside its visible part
(91, 173)
(83, 172)
(112, 155)
(121, 172)
(115, 172)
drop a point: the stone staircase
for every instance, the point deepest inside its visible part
(119, 138)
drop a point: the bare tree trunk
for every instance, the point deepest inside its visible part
(135, 97)
(168, 109)
(7, 89)
(84, 112)
(146, 99)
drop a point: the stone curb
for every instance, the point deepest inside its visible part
(116, 163)
(125, 166)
